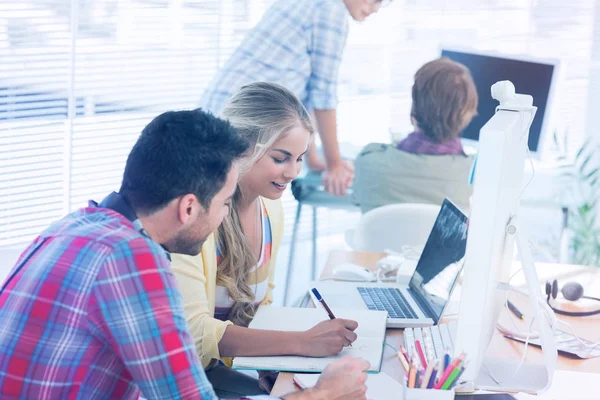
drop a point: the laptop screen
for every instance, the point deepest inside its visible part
(441, 260)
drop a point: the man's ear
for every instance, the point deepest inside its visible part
(188, 209)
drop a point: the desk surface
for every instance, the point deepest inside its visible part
(500, 347)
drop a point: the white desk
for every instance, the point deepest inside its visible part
(588, 327)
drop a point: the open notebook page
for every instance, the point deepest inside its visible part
(368, 346)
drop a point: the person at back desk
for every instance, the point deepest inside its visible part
(92, 310)
(429, 164)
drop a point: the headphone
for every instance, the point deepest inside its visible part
(571, 291)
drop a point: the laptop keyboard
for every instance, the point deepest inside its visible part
(435, 340)
(387, 299)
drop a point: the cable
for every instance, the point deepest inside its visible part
(390, 346)
(518, 329)
(592, 346)
(520, 362)
(532, 173)
(533, 248)
(530, 159)
(527, 338)
(506, 302)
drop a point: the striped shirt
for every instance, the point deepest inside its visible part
(92, 311)
(258, 278)
(298, 44)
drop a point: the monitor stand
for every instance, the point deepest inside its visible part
(499, 374)
(531, 378)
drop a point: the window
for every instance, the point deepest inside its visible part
(79, 79)
(78, 82)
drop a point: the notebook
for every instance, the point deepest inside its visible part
(379, 386)
(368, 345)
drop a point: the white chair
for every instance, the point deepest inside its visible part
(393, 227)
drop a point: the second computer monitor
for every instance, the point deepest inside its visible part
(534, 77)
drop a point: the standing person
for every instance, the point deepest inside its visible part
(92, 310)
(298, 44)
(234, 274)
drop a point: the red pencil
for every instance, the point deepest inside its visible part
(421, 354)
(406, 355)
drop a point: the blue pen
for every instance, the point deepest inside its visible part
(447, 360)
(320, 300)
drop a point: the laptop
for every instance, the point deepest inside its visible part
(423, 300)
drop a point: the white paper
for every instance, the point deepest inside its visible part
(368, 346)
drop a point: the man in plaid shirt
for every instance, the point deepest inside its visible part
(91, 309)
(298, 44)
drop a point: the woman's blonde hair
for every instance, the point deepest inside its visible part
(262, 113)
(444, 99)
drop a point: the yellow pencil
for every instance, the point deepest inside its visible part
(412, 375)
(427, 374)
(403, 361)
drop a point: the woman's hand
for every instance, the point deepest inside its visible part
(328, 338)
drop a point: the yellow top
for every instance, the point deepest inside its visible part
(197, 280)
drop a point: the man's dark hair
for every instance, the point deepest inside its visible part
(178, 153)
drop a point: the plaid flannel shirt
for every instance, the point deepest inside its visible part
(92, 311)
(298, 44)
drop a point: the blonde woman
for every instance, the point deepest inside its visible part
(223, 286)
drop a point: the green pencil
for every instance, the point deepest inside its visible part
(451, 378)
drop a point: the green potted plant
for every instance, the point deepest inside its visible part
(584, 210)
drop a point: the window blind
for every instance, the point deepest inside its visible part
(78, 82)
(34, 78)
(79, 79)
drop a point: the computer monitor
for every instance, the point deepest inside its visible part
(489, 255)
(534, 77)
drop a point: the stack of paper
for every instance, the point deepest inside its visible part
(368, 346)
